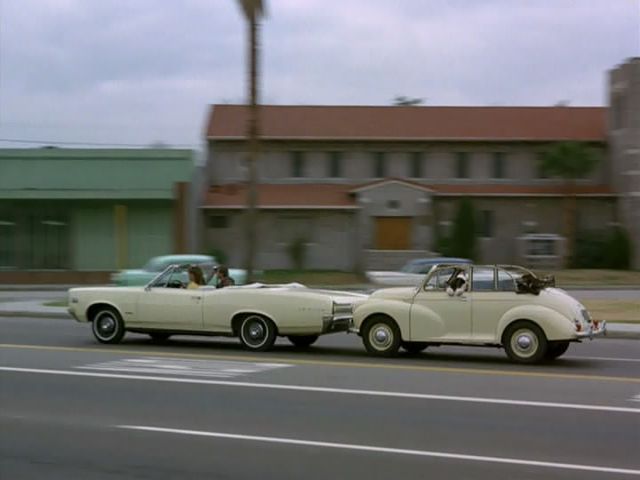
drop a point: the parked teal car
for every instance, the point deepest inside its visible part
(158, 264)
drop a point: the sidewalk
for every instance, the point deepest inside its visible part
(37, 309)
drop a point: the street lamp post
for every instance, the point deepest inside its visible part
(253, 11)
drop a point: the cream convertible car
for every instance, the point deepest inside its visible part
(255, 313)
(503, 306)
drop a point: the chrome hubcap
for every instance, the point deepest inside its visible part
(255, 332)
(106, 325)
(524, 343)
(381, 337)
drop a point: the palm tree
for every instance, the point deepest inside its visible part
(569, 161)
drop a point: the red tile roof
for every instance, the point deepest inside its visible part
(413, 123)
(329, 196)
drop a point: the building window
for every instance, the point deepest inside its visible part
(498, 165)
(335, 164)
(393, 204)
(529, 226)
(297, 164)
(486, 224)
(7, 244)
(218, 221)
(462, 165)
(416, 165)
(379, 165)
(50, 241)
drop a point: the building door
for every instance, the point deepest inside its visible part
(393, 233)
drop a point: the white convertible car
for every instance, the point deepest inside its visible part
(255, 313)
(503, 306)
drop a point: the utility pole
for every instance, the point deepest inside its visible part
(253, 11)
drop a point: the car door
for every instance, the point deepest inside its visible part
(492, 295)
(174, 309)
(435, 315)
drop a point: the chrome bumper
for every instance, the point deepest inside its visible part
(336, 323)
(595, 329)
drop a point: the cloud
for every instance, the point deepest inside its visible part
(135, 72)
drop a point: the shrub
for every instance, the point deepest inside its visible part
(619, 249)
(602, 249)
(463, 239)
(219, 255)
(297, 253)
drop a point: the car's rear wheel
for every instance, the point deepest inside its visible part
(525, 342)
(159, 336)
(303, 341)
(381, 336)
(414, 348)
(556, 350)
(257, 333)
(107, 326)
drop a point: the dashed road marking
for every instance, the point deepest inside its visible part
(184, 367)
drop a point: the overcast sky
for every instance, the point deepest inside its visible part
(141, 71)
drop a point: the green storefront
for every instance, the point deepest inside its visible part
(71, 215)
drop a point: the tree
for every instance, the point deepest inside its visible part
(402, 101)
(463, 238)
(569, 161)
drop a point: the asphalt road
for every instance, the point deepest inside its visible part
(204, 408)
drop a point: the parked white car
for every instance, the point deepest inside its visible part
(482, 305)
(255, 313)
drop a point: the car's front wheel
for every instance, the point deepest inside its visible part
(257, 333)
(381, 336)
(525, 342)
(556, 350)
(107, 326)
(303, 341)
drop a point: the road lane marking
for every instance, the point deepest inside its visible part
(606, 359)
(377, 449)
(182, 366)
(329, 363)
(334, 390)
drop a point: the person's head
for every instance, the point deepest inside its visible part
(195, 275)
(223, 271)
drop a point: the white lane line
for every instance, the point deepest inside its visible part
(607, 359)
(345, 391)
(397, 451)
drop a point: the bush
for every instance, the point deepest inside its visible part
(463, 239)
(219, 255)
(619, 251)
(297, 253)
(602, 249)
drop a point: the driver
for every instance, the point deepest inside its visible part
(196, 278)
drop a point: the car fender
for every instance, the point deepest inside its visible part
(102, 302)
(399, 311)
(555, 325)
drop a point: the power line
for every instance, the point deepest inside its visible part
(92, 144)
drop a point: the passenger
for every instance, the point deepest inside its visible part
(196, 278)
(223, 278)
